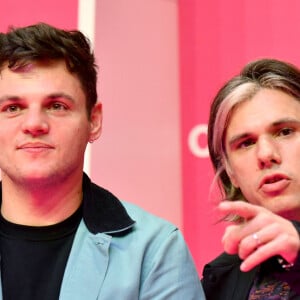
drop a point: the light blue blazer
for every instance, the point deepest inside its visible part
(121, 252)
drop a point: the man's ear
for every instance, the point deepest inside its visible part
(96, 122)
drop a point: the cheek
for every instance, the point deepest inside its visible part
(240, 172)
(74, 136)
(80, 136)
(246, 179)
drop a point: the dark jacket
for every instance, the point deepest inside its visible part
(223, 280)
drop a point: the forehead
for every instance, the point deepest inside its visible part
(38, 77)
(266, 107)
(30, 68)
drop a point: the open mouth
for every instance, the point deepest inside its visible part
(274, 184)
(273, 179)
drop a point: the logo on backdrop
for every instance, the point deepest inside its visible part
(197, 141)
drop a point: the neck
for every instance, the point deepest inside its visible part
(40, 204)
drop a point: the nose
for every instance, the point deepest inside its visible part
(267, 153)
(35, 122)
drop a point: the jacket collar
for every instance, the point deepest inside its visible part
(102, 211)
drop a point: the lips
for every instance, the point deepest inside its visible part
(274, 183)
(34, 146)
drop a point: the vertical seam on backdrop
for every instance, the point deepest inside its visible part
(86, 24)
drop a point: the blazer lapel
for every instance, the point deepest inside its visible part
(244, 281)
(86, 266)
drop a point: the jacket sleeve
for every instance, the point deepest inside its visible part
(291, 275)
(297, 262)
(171, 272)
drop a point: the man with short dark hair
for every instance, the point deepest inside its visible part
(62, 236)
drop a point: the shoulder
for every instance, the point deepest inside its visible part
(108, 214)
(103, 212)
(224, 260)
(220, 267)
(144, 218)
(165, 255)
(152, 229)
(156, 235)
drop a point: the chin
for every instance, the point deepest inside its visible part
(288, 210)
(35, 178)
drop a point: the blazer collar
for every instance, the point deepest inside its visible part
(102, 211)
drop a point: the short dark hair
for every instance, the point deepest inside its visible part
(263, 73)
(42, 42)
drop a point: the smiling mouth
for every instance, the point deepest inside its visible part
(35, 147)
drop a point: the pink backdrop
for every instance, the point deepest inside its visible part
(167, 154)
(138, 155)
(18, 13)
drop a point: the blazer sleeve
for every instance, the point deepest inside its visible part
(172, 273)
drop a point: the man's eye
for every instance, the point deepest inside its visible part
(285, 131)
(245, 144)
(12, 108)
(58, 106)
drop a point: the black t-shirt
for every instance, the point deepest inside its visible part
(33, 259)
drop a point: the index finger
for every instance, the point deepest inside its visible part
(239, 208)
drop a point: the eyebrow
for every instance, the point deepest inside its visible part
(238, 137)
(50, 96)
(61, 95)
(285, 121)
(275, 124)
(9, 98)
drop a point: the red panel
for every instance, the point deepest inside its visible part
(216, 39)
(56, 12)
